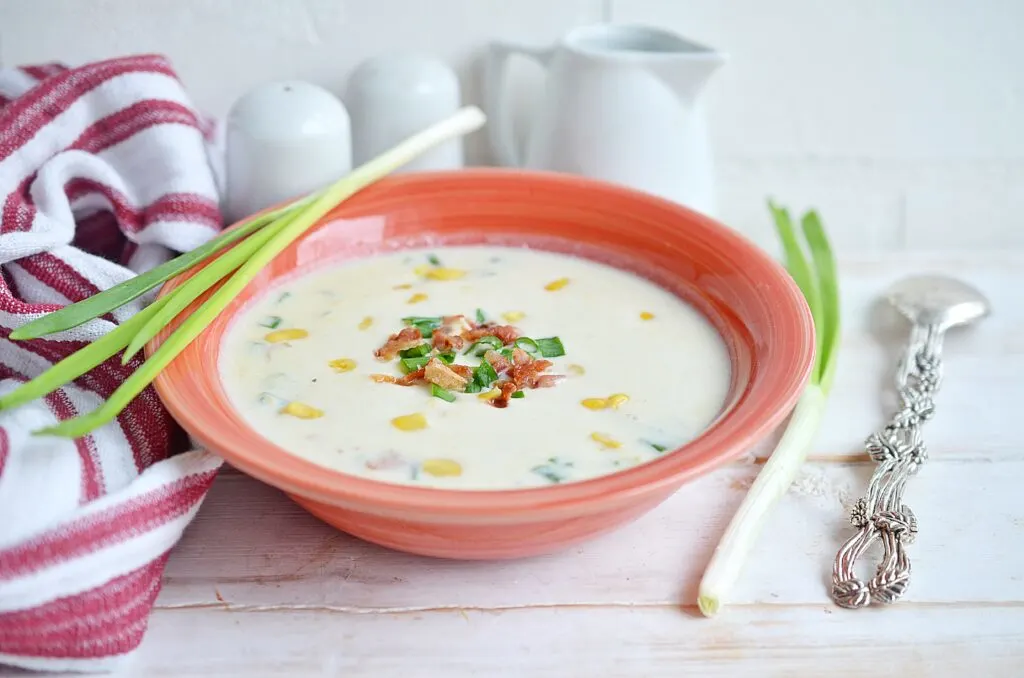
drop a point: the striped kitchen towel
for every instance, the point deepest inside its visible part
(104, 172)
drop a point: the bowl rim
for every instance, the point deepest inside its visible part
(727, 438)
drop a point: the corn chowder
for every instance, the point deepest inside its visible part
(474, 368)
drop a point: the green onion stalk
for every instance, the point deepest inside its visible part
(817, 278)
(255, 243)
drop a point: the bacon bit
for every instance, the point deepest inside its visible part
(407, 380)
(505, 333)
(464, 371)
(399, 341)
(499, 362)
(525, 376)
(436, 372)
(507, 389)
(548, 380)
(444, 340)
(520, 357)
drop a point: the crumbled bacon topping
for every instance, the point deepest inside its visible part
(399, 341)
(407, 380)
(436, 372)
(444, 340)
(516, 369)
(506, 334)
(507, 389)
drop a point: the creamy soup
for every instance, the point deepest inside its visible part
(474, 368)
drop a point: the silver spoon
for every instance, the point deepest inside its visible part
(933, 304)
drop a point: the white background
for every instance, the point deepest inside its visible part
(901, 120)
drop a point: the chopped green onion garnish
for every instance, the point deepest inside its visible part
(473, 387)
(550, 347)
(480, 317)
(271, 321)
(417, 319)
(425, 324)
(441, 393)
(506, 352)
(519, 394)
(528, 345)
(434, 261)
(656, 446)
(447, 357)
(413, 364)
(484, 374)
(415, 351)
(488, 341)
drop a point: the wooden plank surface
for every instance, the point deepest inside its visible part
(257, 586)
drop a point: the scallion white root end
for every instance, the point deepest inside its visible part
(770, 485)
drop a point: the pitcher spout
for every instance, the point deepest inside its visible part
(683, 65)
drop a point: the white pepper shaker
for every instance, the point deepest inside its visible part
(393, 96)
(283, 139)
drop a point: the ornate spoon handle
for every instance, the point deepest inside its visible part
(881, 515)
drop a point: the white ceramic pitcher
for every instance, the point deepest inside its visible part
(622, 104)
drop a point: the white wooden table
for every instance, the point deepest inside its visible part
(258, 587)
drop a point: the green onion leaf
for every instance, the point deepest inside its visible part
(425, 324)
(441, 393)
(198, 284)
(448, 357)
(519, 394)
(418, 319)
(415, 351)
(550, 347)
(487, 342)
(828, 289)
(473, 387)
(81, 361)
(412, 364)
(799, 269)
(480, 317)
(434, 261)
(657, 447)
(528, 345)
(99, 304)
(271, 322)
(464, 121)
(484, 374)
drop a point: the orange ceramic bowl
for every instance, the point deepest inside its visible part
(758, 310)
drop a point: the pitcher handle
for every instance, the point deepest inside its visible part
(501, 134)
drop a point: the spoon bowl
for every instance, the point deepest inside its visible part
(938, 301)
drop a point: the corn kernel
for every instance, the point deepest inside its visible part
(556, 284)
(444, 273)
(646, 315)
(342, 365)
(440, 468)
(302, 411)
(617, 399)
(365, 323)
(409, 422)
(594, 403)
(417, 298)
(403, 286)
(285, 335)
(576, 370)
(606, 441)
(490, 395)
(513, 316)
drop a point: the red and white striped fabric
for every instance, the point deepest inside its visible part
(104, 172)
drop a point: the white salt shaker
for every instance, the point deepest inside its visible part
(393, 96)
(283, 139)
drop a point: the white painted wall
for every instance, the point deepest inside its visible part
(901, 120)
